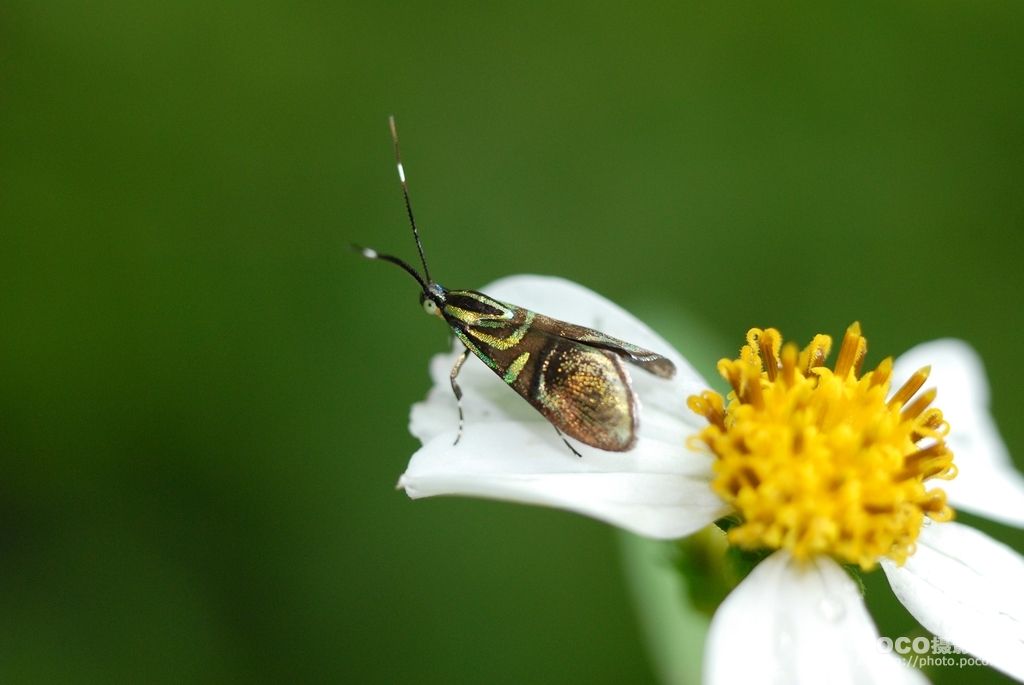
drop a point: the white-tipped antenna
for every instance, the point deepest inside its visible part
(405, 194)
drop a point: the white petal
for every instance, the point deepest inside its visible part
(966, 588)
(796, 623)
(987, 483)
(509, 451)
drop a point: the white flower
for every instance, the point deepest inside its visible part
(796, 618)
(509, 451)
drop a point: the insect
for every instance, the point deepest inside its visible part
(574, 376)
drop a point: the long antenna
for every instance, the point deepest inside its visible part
(405, 194)
(370, 253)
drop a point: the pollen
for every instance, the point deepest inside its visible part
(825, 460)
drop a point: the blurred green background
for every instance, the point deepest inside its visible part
(205, 395)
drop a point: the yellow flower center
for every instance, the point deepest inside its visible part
(825, 461)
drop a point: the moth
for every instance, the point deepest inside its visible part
(573, 375)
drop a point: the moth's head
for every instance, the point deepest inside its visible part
(433, 299)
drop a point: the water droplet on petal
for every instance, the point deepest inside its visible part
(784, 640)
(831, 609)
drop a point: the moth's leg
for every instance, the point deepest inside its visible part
(571, 448)
(457, 390)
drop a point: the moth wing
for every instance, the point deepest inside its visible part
(583, 390)
(647, 360)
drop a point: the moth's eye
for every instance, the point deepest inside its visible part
(430, 307)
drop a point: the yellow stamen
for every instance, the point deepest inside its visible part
(912, 385)
(852, 351)
(818, 460)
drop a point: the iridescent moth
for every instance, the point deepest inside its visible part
(574, 376)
